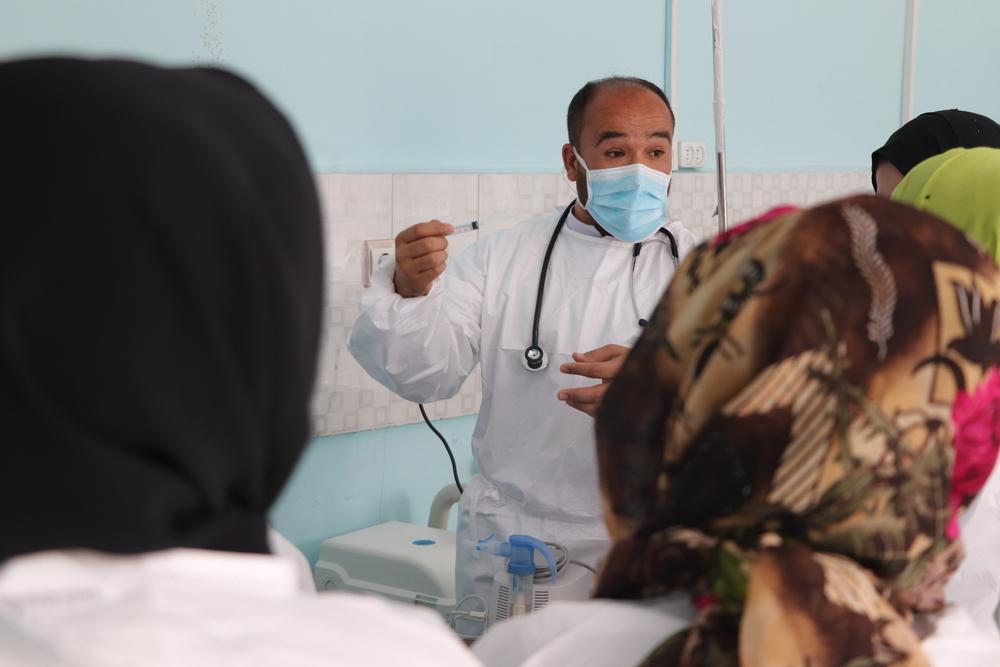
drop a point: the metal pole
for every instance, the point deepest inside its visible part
(719, 106)
(909, 60)
(675, 13)
(672, 9)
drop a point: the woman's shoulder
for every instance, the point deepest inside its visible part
(591, 632)
(958, 642)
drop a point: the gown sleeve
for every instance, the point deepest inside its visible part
(423, 348)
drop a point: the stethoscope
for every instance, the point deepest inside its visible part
(534, 358)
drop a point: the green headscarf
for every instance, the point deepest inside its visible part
(961, 186)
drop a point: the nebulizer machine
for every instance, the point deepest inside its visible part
(533, 574)
(416, 565)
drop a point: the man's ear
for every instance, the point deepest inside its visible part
(573, 171)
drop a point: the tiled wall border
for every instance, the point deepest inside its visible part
(371, 206)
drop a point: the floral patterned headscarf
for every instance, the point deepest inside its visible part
(792, 437)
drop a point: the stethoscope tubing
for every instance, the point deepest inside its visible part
(534, 358)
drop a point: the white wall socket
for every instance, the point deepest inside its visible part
(373, 252)
(691, 154)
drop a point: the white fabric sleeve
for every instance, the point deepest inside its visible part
(423, 348)
(283, 548)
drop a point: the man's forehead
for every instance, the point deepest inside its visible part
(617, 107)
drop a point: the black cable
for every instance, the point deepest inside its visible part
(454, 466)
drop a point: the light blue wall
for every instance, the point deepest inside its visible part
(809, 83)
(957, 56)
(480, 85)
(348, 482)
(381, 85)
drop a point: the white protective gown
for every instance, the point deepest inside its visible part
(198, 608)
(976, 584)
(535, 455)
(614, 633)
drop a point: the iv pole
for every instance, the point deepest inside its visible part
(719, 106)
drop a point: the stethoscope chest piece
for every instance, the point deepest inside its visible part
(534, 359)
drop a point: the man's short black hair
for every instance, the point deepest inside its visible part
(578, 105)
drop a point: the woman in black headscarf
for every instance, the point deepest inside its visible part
(160, 301)
(160, 295)
(925, 136)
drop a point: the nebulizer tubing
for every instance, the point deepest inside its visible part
(561, 558)
(580, 563)
(471, 614)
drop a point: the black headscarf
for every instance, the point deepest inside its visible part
(933, 133)
(160, 299)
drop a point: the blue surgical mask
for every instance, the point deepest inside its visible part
(629, 202)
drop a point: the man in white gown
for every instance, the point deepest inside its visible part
(604, 261)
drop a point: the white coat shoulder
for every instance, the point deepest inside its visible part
(597, 633)
(530, 236)
(194, 608)
(591, 633)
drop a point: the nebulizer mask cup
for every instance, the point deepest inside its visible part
(629, 202)
(521, 567)
(519, 551)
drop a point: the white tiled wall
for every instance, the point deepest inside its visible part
(376, 206)
(693, 198)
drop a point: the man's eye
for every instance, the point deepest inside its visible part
(615, 153)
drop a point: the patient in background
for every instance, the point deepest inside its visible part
(925, 136)
(786, 453)
(160, 304)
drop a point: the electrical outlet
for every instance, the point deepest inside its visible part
(691, 154)
(373, 253)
